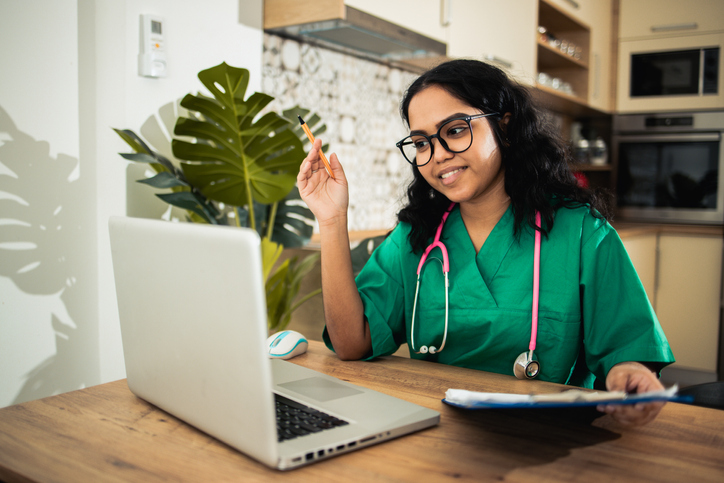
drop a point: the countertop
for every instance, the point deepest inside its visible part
(624, 229)
(628, 229)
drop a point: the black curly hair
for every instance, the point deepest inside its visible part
(534, 157)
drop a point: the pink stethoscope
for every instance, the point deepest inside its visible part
(526, 365)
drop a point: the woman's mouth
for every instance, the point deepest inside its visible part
(450, 175)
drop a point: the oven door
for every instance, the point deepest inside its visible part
(670, 177)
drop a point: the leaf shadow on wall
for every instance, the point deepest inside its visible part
(39, 235)
(157, 131)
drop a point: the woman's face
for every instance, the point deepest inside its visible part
(470, 176)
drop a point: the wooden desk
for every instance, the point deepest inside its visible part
(105, 433)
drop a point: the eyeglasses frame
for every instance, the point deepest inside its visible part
(442, 142)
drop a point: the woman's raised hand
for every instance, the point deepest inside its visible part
(327, 198)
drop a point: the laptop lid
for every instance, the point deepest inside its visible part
(192, 310)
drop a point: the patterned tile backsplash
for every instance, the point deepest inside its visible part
(359, 101)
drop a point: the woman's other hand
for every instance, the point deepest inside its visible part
(327, 198)
(632, 377)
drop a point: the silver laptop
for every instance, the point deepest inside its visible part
(192, 309)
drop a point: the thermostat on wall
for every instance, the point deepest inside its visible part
(152, 57)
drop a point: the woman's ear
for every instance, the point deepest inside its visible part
(503, 123)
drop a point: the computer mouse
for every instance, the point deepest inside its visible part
(286, 344)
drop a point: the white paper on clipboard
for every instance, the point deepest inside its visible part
(570, 398)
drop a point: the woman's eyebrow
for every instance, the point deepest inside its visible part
(457, 115)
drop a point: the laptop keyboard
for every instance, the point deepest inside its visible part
(295, 419)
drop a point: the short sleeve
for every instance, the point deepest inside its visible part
(619, 323)
(380, 285)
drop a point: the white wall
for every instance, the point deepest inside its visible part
(69, 74)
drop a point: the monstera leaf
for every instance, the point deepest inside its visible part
(236, 159)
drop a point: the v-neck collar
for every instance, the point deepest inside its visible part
(496, 246)
(487, 261)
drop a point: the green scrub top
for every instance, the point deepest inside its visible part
(593, 313)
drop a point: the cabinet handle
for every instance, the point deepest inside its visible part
(498, 60)
(675, 26)
(573, 3)
(596, 76)
(445, 12)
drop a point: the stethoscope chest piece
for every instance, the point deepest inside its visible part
(526, 366)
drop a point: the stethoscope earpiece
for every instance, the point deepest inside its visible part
(526, 366)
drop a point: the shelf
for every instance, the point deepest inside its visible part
(556, 20)
(559, 65)
(551, 58)
(557, 101)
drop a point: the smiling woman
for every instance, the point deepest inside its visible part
(488, 180)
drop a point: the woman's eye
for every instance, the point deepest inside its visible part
(421, 144)
(454, 131)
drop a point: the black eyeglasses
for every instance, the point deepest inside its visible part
(455, 136)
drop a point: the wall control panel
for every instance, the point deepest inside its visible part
(152, 55)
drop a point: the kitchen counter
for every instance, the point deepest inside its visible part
(629, 229)
(624, 229)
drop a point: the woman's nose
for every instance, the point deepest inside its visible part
(439, 151)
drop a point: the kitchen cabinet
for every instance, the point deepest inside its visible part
(491, 30)
(665, 18)
(643, 250)
(581, 10)
(601, 60)
(422, 16)
(681, 273)
(588, 72)
(688, 298)
(389, 32)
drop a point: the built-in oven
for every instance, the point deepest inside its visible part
(669, 167)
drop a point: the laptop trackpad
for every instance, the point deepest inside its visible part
(320, 389)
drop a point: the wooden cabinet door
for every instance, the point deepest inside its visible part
(642, 251)
(494, 31)
(601, 59)
(665, 18)
(422, 16)
(688, 298)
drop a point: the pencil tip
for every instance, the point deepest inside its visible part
(301, 121)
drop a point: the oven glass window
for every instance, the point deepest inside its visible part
(665, 73)
(668, 174)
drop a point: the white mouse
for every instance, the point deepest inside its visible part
(286, 344)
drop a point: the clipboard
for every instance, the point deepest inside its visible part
(572, 398)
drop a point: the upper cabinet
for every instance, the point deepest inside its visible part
(491, 30)
(563, 51)
(390, 32)
(642, 19)
(601, 78)
(426, 17)
(581, 10)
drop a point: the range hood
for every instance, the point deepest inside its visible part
(348, 29)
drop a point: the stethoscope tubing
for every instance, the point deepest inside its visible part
(536, 283)
(446, 269)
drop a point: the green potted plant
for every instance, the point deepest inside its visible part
(238, 167)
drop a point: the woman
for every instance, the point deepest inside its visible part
(482, 160)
